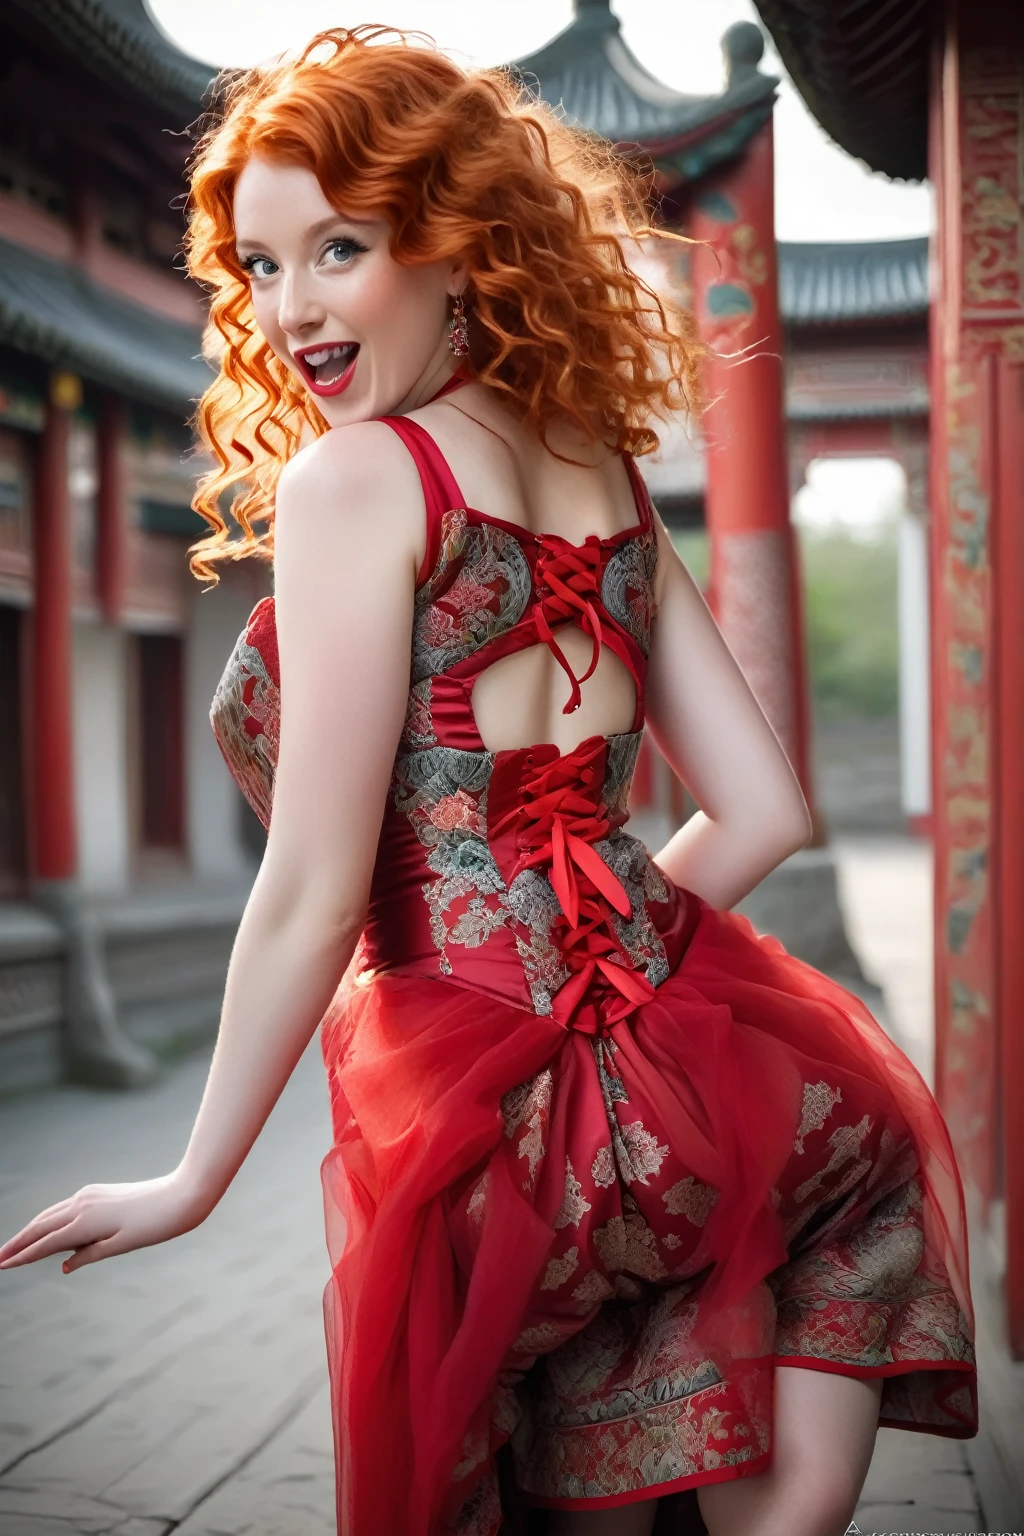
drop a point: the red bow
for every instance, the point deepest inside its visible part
(558, 819)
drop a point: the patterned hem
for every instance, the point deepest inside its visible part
(656, 1490)
(891, 1367)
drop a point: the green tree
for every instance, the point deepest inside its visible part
(851, 621)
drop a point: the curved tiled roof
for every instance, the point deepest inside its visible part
(588, 71)
(118, 41)
(54, 312)
(862, 68)
(840, 282)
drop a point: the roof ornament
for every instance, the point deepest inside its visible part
(590, 74)
(596, 15)
(742, 49)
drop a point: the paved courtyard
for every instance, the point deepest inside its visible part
(183, 1389)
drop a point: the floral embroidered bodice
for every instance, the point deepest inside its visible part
(510, 872)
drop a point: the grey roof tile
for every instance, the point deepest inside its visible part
(830, 283)
(54, 312)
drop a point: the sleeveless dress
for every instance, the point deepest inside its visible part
(602, 1156)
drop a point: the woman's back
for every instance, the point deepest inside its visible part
(567, 489)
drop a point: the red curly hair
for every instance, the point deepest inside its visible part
(461, 164)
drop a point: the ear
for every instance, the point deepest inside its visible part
(459, 280)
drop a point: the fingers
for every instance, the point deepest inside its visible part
(50, 1220)
(68, 1236)
(90, 1254)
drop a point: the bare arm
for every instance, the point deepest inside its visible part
(712, 732)
(349, 519)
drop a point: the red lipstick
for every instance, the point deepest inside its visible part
(329, 366)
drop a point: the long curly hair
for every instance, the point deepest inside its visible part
(462, 164)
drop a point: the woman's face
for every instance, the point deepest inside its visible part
(366, 335)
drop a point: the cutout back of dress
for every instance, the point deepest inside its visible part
(546, 639)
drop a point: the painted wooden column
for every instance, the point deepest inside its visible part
(111, 524)
(53, 845)
(755, 586)
(977, 496)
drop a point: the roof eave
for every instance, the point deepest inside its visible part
(884, 122)
(141, 62)
(717, 113)
(56, 314)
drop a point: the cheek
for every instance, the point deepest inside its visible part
(401, 304)
(265, 309)
(264, 306)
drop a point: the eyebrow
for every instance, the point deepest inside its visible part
(319, 228)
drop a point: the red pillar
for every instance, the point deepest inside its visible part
(755, 588)
(977, 498)
(53, 833)
(1009, 862)
(111, 527)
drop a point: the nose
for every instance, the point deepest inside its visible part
(299, 313)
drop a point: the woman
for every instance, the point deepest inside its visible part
(622, 1199)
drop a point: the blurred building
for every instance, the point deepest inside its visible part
(938, 89)
(123, 853)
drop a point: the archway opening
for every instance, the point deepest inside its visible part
(864, 563)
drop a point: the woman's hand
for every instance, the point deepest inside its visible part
(104, 1219)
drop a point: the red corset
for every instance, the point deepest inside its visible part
(558, 818)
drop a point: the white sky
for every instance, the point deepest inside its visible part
(821, 193)
(859, 497)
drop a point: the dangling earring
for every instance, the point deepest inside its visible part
(458, 328)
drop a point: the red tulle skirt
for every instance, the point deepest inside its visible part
(593, 1250)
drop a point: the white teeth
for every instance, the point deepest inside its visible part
(326, 355)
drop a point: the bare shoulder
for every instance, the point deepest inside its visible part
(362, 468)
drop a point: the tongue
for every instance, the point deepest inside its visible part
(330, 372)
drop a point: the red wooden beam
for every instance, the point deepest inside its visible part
(52, 816)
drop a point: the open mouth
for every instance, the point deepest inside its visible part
(329, 368)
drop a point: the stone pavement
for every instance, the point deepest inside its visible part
(183, 1388)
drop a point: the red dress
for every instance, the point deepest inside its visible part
(602, 1156)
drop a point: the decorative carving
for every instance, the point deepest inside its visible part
(992, 150)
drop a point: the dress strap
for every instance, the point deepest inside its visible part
(440, 488)
(641, 495)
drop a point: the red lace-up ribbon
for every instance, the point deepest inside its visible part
(567, 576)
(559, 817)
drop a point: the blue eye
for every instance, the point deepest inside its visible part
(260, 266)
(341, 253)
